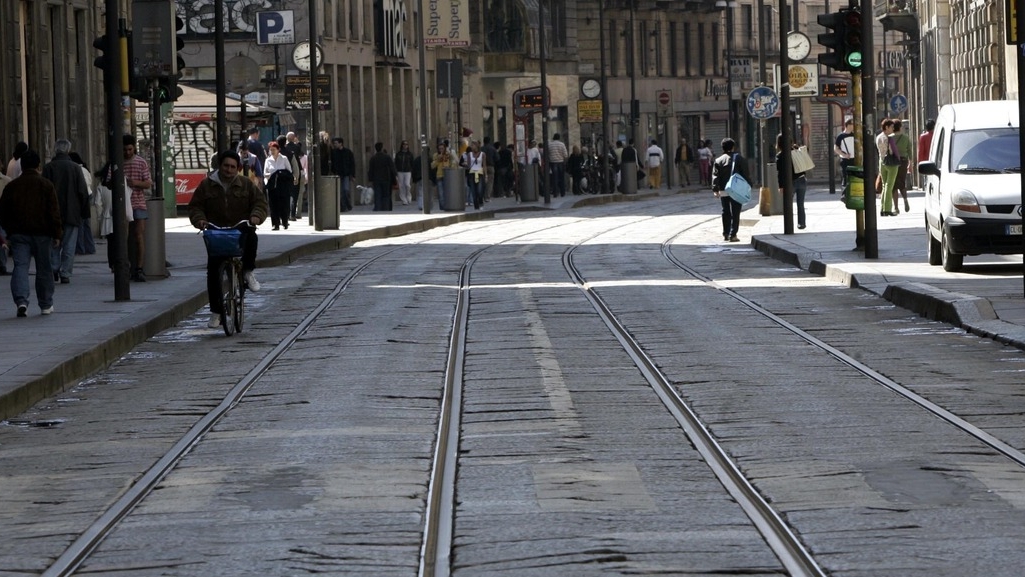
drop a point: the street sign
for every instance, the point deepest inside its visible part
(664, 99)
(588, 111)
(804, 79)
(899, 104)
(836, 90)
(275, 27)
(762, 103)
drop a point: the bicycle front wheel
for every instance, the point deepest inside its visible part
(228, 291)
(240, 299)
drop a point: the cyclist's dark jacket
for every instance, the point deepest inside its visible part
(222, 206)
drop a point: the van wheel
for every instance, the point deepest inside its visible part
(951, 262)
(935, 257)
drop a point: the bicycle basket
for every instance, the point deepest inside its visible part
(223, 243)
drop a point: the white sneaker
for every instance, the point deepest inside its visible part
(251, 282)
(214, 322)
(48, 310)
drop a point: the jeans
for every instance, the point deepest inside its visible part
(441, 194)
(558, 179)
(346, 193)
(63, 259)
(475, 187)
(404, 178)
(730, 215)
(800, 188)
(23, 249)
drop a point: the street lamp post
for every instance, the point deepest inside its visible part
(728, 6)
(634, 106)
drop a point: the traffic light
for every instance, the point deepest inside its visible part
(833, 41)
(170, 84)
(852, 39)
(103, 61)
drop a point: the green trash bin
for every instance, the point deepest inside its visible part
(854, 192)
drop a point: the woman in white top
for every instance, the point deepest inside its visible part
(705, 156)
(475, 161)
(277, 174)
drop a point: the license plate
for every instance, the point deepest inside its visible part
(1014, 229)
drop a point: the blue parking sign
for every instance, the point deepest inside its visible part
(275, 27)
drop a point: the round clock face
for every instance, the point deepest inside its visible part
(798, 46)
(591, 88)
(306, 55)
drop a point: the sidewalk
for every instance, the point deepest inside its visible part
(90, 330)
(986, 298)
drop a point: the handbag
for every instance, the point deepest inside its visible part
(801, 160)
(737, 186)
(891, 158)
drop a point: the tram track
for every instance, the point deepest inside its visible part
(440, 512)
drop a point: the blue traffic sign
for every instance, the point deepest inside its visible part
(899, 104)
(762, 103)
(275, 27)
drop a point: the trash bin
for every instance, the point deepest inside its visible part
(326, 202)
(854, 192)
(628, 180)
(529, 184)
(455, 189)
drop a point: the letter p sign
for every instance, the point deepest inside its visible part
(275, 27)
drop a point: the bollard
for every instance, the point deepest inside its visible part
(628, 178)
(326, 202)
(770, 201)
(455, 189)
(154, 257)
(528, 183)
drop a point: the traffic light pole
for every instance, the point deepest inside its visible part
(112, 75)
(155, 261)
(864, 94)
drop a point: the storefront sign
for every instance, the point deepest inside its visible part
(447, 22)
(297, 92)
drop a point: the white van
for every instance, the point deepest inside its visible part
(973, 183)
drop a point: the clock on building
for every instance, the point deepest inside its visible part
(306, 54)
(591, 88)
(798, 46)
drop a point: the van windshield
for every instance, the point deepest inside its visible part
(988, 150)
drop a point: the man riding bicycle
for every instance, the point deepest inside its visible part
(223, 199)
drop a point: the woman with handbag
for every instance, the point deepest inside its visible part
(889, 163)
(800, 182)
(722, 169)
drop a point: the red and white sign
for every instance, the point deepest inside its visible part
(186, 183)
(664, 99)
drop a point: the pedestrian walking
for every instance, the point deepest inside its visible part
(889, 160)
(843, 146)
(86, 243)
(73, 199)
(137, 176)
(475, 162)
(490, 151)
(30, 214)
(722, 169)
(3, 237)
(557, 155)
(799, 180)
(575, 168)
(343, 165)
(278, 180)
(904, 153)
(705, 156)
(381, 174)
(404, 169)
(105, 211)
(14, 166)
(504, 171)
(683, 159)
(655, 158)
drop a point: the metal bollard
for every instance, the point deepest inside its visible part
(326, 202)
(154, 257)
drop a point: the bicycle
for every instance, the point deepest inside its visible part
(226, 243)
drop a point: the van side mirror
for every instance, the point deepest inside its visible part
(928, 167)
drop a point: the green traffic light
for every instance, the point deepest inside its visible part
(854, 60)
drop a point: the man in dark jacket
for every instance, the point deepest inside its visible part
(73, 196)
(343, 165)
(30, 214)
(225, 198)
(381, 173)
(722, 169)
